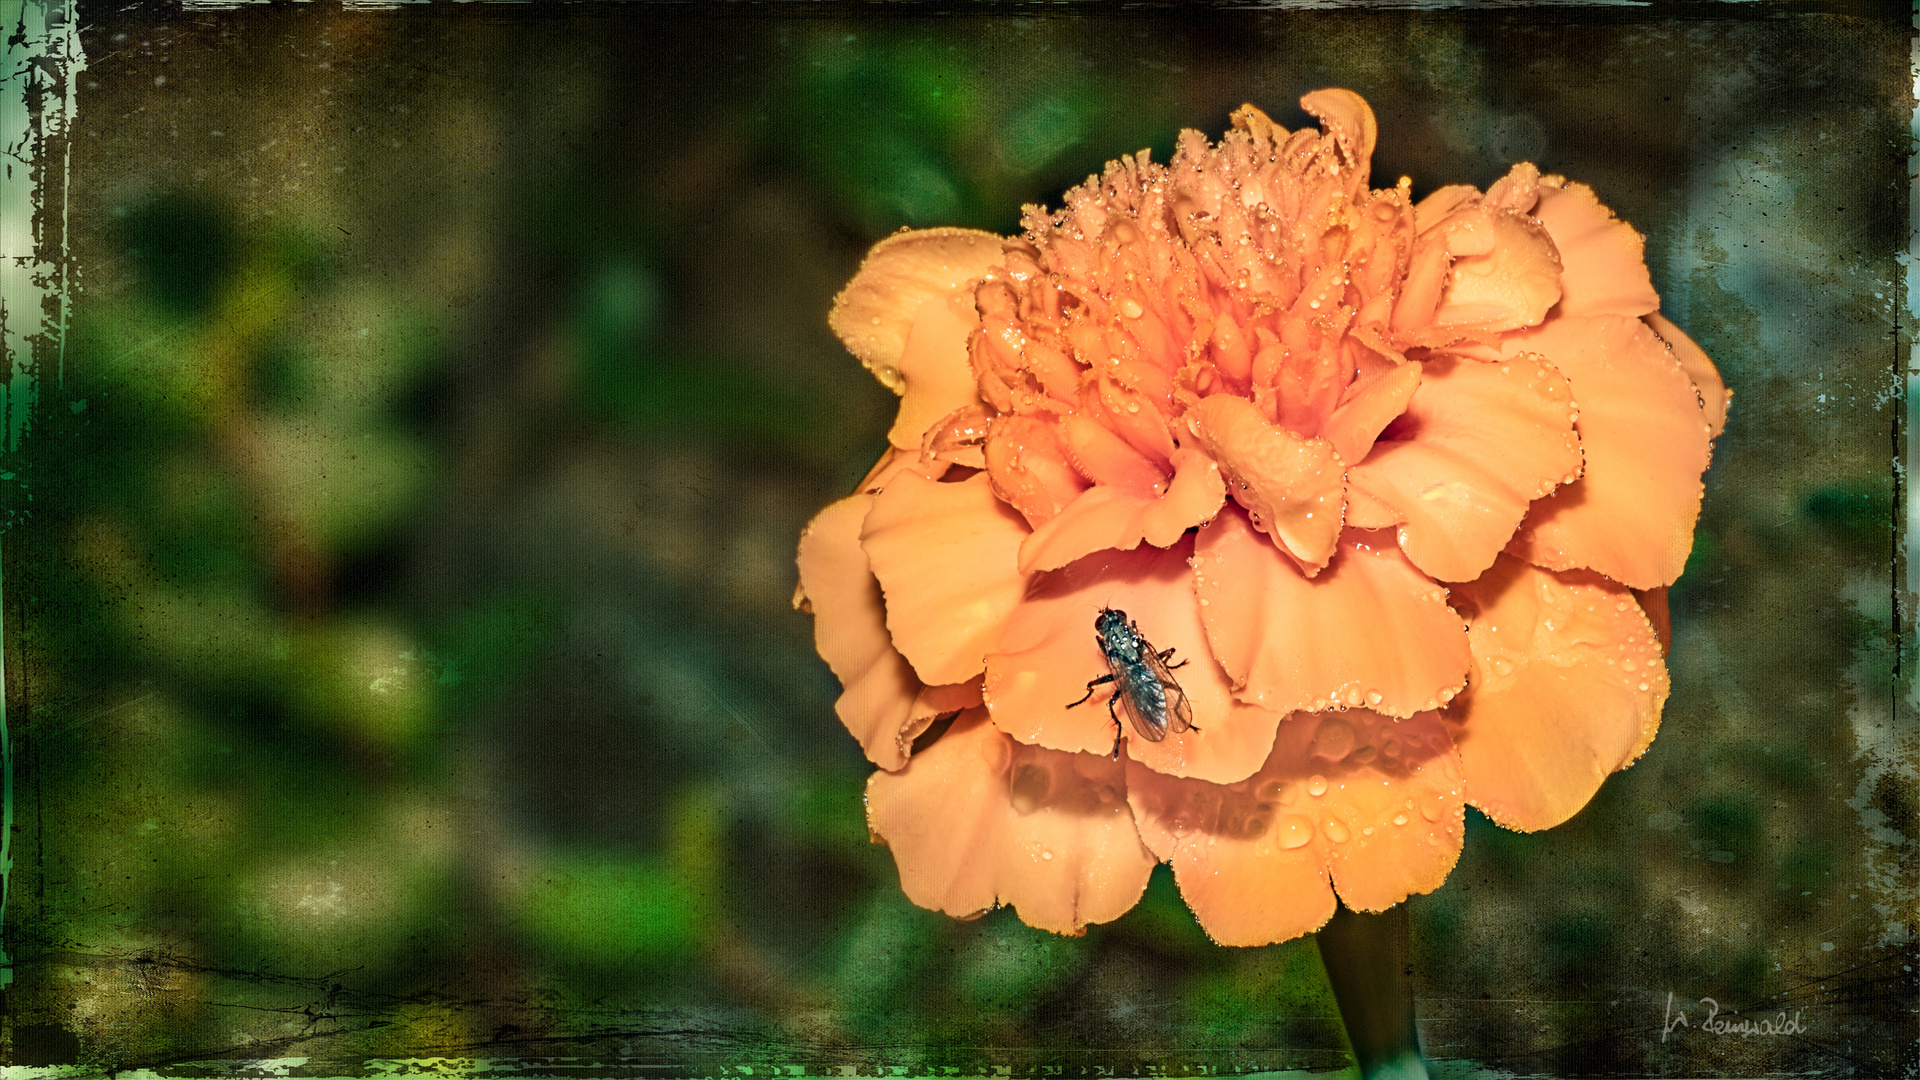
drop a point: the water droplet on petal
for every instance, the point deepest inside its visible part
(1048, 855)
(1316, 785)
(1334, 740)
(1432, 806)
(1280, 791)
(1628, 665)
(1373, 698)
(1336, 830)
(1399, 819)
(1294, 831)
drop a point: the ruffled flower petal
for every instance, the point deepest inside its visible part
(1568, 683)
(978, 820)
(1654, 603)
(1630, 515)
(874, 315)
(1369, 406)
(850, 632)
(1109, 517)
(1292, 487)
(945, 555)
(1398, 797)
(1048, 654)
(1030, 469)
(937, 701)
(894, 462)
(1715, 398)
(1352, 802)
(1366, 511)
(1348, 120)
(1478, 444)
(1109, 460)
(1370, 630)
(1603, 260)
(1249, 879)
(934, 367)
(1505, 274)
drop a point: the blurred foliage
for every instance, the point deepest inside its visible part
(401, 663)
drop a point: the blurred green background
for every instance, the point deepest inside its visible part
(399, 657)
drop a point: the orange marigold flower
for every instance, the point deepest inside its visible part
(1392, 489)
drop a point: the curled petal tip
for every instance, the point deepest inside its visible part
(873, 315)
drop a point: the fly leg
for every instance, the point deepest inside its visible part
(1117, 729)
(1091, 683)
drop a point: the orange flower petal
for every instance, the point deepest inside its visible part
(1107, 459)
(978, 819)
(1654, 603)
(1369, 406)
(1440, 205)
(1398, 797)
(1048, 653)
(1029, 467)
(1249, 878)
(1715, 398)
(1105, 517)
(1364, 511)
(894, 462)
(1603, 260)
(946, 556)
(1567, 688)
(850, 632)
(934, 367)
(1370, 630)
(1630, 515)
(1482, 442)
(1505, 273)
(875, 313)
(937, 701)
(1348, 120)
(1294, 488)
(1518, 190)
(1365, 803)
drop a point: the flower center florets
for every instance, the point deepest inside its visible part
(1260, 268)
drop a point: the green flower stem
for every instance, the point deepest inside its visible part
(1369, 962)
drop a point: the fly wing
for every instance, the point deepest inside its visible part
(1144, 702)
(1176, 715)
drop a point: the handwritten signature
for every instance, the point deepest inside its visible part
(1714, 1023)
